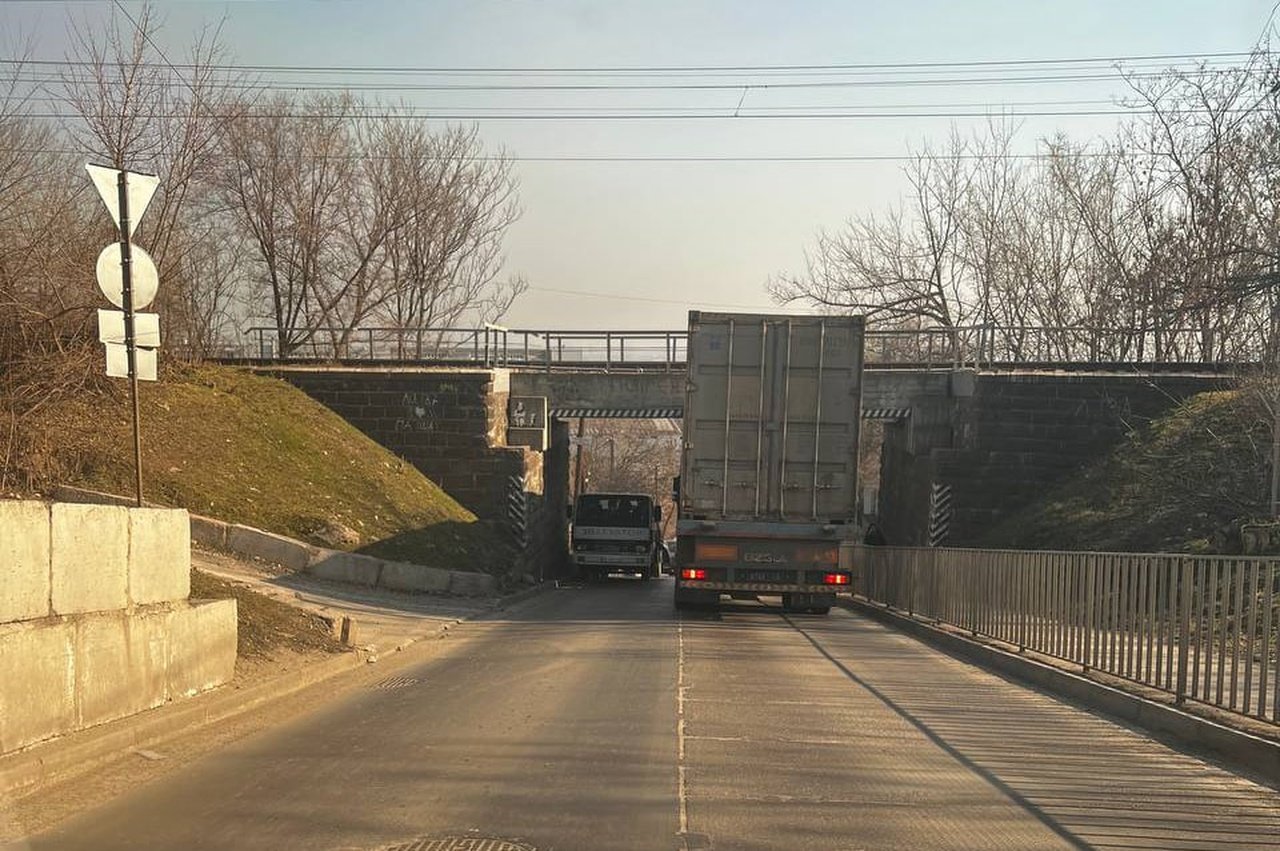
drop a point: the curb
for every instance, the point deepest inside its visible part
(527, 594)
(1240, 751)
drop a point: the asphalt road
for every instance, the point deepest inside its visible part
(593, 718)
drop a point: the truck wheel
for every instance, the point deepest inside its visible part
(819, 610)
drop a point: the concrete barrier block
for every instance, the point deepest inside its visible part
(353, 569)
(110, 682)
(24, 560)
(471, 584)
(147, 634)
(267, 546)
(159, 555)
(89, 557)
(37, 683)
(208, 532)
(202, 646)
(402, 576)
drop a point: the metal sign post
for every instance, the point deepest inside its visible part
(128, 278)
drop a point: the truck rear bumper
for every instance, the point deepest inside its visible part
(758, 587)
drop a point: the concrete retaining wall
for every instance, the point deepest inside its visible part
(1015, 437)
(450, 424)
(371, 572)
(95, 623)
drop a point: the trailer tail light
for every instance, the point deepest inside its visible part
(705, 551)
(693, 573)
(835, 579)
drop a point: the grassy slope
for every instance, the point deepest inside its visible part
(1182, 484)
(255, 450)
(265, 625)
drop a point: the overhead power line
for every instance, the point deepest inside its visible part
(649, 158)
(719, 115)
(735, 86)
(651, 300)
(651, 69)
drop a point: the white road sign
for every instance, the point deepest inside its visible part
(146, 328)
(118, 362)
(140, 189)
(144, 277)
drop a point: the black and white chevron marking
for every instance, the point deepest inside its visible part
(885, 413)
(677, 413)
(517, 510)
(940, 510)
(618, 413)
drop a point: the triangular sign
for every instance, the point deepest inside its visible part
(140, 187)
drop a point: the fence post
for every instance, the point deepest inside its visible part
(548, 339)
(1184, 626)
(608, 350)
(1090, 572)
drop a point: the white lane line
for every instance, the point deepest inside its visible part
(681, 787)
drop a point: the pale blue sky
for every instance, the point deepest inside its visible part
(692, 234)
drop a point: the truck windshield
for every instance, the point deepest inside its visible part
(607, 510)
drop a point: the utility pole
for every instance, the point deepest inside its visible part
(577, 463)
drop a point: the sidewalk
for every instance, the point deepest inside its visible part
(381, 621)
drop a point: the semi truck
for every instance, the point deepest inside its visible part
(768, 483)
(615, 533)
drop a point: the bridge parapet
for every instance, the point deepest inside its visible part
(665, 350)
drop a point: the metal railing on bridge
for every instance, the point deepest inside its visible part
(1203, 628)
(610, 350)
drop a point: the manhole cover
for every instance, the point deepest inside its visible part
(461, 843)
(396, 682)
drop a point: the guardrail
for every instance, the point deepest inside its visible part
(610, 350)
(1203, 628)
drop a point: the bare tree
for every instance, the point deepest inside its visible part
(904, 267)
(287, 177)
(447, 260)
(134, 111)
(634, 456)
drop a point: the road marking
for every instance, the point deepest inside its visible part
(681, 787)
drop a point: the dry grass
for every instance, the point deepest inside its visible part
(1184, 483)
(249, 449)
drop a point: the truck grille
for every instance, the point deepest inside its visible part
(610, 546)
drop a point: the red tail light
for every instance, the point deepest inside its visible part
(693, 573)
(836, 579)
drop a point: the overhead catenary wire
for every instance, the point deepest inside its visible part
(726, 114)
(662, 158)
(735, 86)
(649, 69)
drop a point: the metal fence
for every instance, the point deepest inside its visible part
(618, 350)
(1203, 628)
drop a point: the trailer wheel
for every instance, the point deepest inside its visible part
(820, 610)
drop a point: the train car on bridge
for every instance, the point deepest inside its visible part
(769, 473)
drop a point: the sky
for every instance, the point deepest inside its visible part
(635, 245)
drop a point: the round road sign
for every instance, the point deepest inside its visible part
(144, 278)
